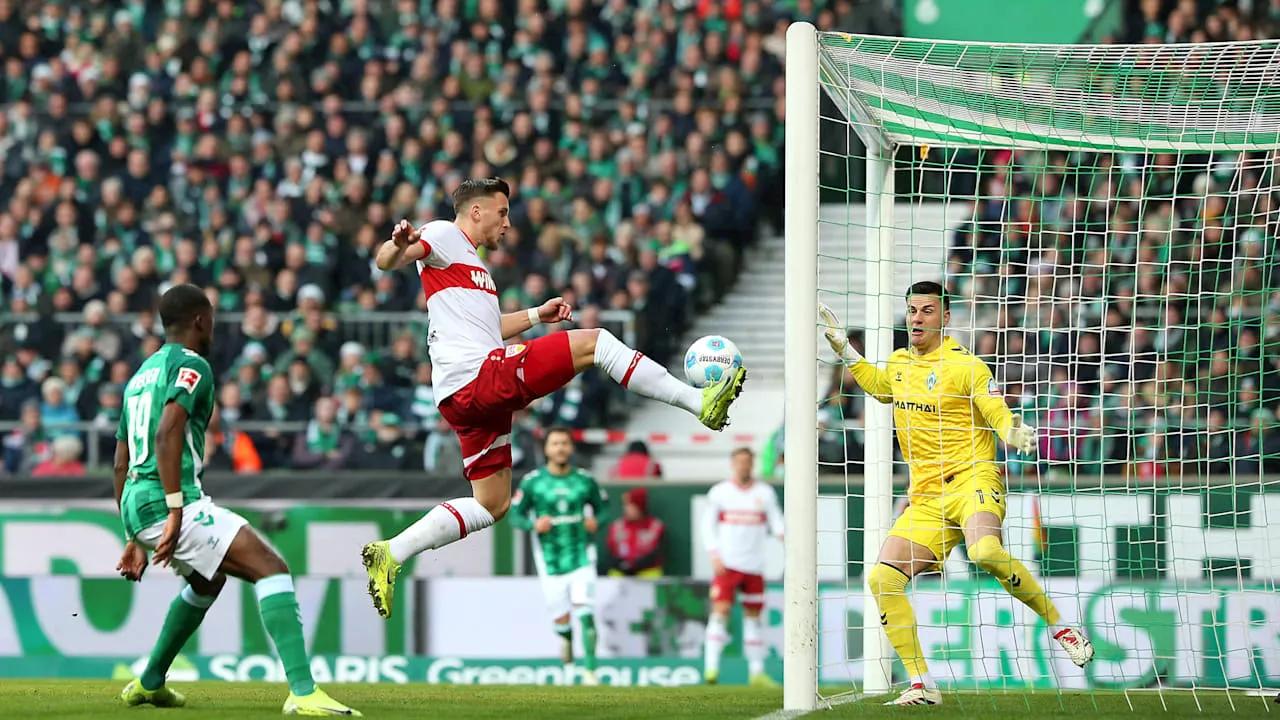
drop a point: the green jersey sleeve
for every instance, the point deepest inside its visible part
(522, 505)
(190, 384)
(599, 502)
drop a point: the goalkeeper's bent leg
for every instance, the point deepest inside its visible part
(889, 586)
(186, 612)
(991, 556)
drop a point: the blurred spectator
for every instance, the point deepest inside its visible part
(635, 540)
(389, 448)
(64, 459)
(637, 464)
(323, 445)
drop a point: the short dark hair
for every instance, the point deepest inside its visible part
(181, 304)
(473, 188)
(929, 287)
(555, 430)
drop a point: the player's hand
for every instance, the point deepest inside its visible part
(555, 310)
(591, 525)
(717, 567)
(837, 336)
(543, 524)
(168, 539)
(1022, 437)
(404, 234)
(133, 563)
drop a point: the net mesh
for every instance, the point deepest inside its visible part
(1105, 221)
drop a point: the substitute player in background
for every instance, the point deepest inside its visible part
(740, 515)
(948, 411)
(564, 507)
(158, 468)
(479, 383)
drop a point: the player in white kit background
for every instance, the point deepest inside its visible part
(479, 382)
(741, 515)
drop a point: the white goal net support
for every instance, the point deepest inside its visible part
(1105, 220)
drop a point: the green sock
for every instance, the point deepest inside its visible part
(280, 615)
(185, 613)
(588, 622)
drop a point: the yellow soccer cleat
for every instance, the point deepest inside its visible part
(717, 398)
(762, 680)
(382, 569)
(317, 704)
(163, 696)
(711, 677)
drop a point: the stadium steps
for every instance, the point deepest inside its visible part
(752, 316)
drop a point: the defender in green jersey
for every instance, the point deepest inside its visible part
(158, 466)
(564, 507)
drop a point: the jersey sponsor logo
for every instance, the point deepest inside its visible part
(483, 280)
(187, 379)
(457, 275)
(515, 349)
(742, 517)
(914, 406)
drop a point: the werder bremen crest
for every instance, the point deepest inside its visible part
(932, 382)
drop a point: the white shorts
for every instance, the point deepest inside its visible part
(563, 592)
(207, 532)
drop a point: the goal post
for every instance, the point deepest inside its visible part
(1106, 221)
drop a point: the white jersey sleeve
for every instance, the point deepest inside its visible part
(738, 524)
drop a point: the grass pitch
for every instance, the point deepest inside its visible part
(74, 699)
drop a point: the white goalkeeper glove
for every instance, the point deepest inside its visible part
(837, 336)
(1021, 437)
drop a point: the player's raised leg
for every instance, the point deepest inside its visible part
(186, 612)
(252, 560)
(634, 371)
(982, 538)
(900, 560)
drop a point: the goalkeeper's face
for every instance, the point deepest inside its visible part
(925, 320)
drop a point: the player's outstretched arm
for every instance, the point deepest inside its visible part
(404, 247)
(1007, 424)
(872, 380)
(551, 311)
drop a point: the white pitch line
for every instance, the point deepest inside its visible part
(822, 705)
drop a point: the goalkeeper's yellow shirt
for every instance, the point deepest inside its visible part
(947, 410)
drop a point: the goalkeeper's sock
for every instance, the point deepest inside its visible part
(991, 556)
(445, 523)
(565, 630)
(642, 376)
(753, 644)
(279, 608)
(717, 638)
(588, 623)
(889, 585)
(185, 615)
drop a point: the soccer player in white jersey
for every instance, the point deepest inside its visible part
(479, 383)
(741, 513)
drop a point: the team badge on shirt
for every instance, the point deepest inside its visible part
(516, 349)
(932, 382)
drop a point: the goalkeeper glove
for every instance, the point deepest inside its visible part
(836, 336)
(1021, 437)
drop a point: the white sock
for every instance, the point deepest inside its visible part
(642, 376)
(717, 638)
(925, 679)
(753, 644)
(196, 600)
(446, 523)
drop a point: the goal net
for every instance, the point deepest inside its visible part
(1104, 220)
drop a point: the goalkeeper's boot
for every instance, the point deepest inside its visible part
(918, 694)
(762, 679)
(382, 569)
(711, 677)
(317, 704)
(717, 398)
(163, 696)
(1078, 647)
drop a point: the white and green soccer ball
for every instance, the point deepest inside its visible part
(709, 358)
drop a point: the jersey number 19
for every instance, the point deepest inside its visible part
(139, 428)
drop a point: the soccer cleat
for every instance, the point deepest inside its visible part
(589, 678)
(762, 680)
(711, 677)
(163, 696)
(317, 704)
(1078, 647)
(382, 569)
(918, 694)
(717, 398)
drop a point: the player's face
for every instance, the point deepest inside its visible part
(559, 449)
(493, 219)
(925, 318)
(741, 464)
(204, 332)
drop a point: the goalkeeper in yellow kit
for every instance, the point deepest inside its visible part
(948, 412)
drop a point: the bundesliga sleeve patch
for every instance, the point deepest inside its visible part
(992, 389)
(187, 379)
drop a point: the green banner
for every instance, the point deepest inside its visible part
(1026, 21)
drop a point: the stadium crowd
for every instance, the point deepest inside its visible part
(1129, 304)
(263, 149)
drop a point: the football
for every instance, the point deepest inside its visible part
(708, 358)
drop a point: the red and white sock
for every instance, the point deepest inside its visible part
(717, 638)
(753, 644)
(642, 376)
(445, 523)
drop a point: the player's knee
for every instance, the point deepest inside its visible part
(885, 579)
(582, 342)
(497, 506)
(988, 554)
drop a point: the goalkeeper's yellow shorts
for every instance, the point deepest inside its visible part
(937, 521)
